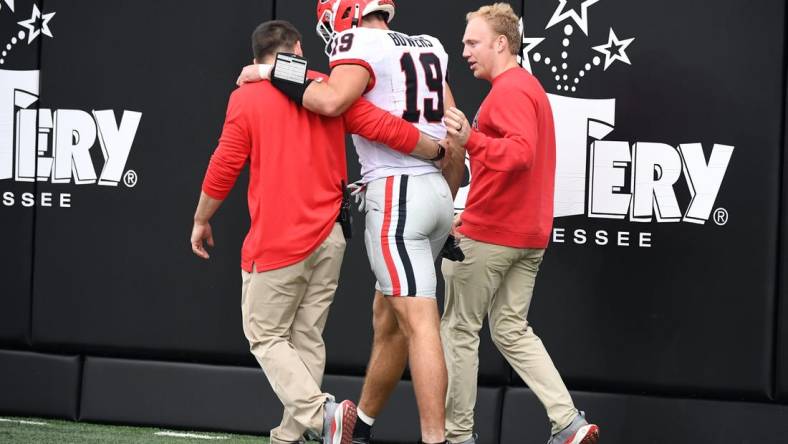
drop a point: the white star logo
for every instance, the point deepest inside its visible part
(10, 4)
(529, 43)
(32, 24)
(560, 15)
(619, 52)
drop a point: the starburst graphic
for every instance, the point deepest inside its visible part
(614, 49)
(563, 64)
(37, 24)
(562, 13)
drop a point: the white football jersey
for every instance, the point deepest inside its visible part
(408, 76)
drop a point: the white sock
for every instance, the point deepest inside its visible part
(368, 420)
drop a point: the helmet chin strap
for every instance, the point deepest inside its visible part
(356, 14)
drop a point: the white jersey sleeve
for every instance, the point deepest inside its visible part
(356, 46)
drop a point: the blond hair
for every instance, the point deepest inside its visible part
(502, 20)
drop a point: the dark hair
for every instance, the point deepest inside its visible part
(273, 36)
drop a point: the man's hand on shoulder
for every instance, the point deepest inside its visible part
(254, 73)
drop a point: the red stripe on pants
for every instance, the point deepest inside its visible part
(384, 238)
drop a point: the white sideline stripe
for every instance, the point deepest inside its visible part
(20, 421)
(189, 435)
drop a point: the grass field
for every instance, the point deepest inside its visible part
(35, 431)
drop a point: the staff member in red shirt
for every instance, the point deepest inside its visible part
(504, 231)
(292, 255)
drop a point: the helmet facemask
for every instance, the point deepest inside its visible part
(333, 21)
(325, 29)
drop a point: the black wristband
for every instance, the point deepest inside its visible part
(441, 153)
(289, 76)
(293, 91)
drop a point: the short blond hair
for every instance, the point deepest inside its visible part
(502, 20)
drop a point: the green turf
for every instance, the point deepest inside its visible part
(66, 432)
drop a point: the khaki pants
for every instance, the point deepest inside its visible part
(498, 282)
(284, 312)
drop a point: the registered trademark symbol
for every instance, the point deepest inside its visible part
(720, 216)
(130, 178)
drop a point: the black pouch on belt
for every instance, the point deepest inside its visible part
(345, 218)
(452, 251)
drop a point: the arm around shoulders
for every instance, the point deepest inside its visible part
(334, 96)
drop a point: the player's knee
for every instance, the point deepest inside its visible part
(384, 324)
(385, 328)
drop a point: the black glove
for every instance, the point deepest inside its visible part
(451, 250)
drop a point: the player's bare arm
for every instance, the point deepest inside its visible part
(454, 170)
(333, 97)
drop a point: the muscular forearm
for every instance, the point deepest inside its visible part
(454, 173)
(206, 208)
(321, 98)
(334, 96)
(426, 148)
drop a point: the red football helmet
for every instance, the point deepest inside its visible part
(335, 16)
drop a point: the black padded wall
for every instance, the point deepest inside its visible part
(649, 420)
(781, 347)
(172, 394)
(120, 272)
(236, 399)
(42, 385)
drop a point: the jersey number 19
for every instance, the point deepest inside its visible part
(433, 76)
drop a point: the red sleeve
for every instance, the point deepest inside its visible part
(231, 153)
(369, 121)
(516, 120)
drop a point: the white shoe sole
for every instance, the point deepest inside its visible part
(588, 434)
(343, 423)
